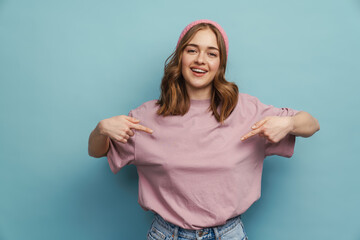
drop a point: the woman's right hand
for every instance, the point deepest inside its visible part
(119, 128)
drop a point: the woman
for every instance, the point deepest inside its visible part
(200, 148)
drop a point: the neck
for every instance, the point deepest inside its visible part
(199, 94)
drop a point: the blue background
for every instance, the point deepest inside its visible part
(66, 65)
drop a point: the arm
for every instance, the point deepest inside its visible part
(117, 128)
(98, 143)
(275, 128)
(304, 125)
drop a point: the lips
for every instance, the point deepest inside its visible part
(198, 72)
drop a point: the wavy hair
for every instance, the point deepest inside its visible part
(174, 99)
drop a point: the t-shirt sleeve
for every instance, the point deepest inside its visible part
(285, 147)
(121, 154)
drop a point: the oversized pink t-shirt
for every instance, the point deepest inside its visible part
(194, 172)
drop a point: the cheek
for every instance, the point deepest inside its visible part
(183, 63)
(183, 68)
(215, 66)
(185, 60)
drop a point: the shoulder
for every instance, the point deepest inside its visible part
(251, 105)
(146, 107)
(247, 101)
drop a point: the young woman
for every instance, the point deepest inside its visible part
(199, 149)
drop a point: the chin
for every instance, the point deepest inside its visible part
(198, 86)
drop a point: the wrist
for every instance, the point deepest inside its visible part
(291, 125)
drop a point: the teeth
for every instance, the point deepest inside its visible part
(198, 70)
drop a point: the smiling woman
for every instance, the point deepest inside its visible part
(196, 70)
(200, 63)
(200, 164)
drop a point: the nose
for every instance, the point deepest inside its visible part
(200, 58)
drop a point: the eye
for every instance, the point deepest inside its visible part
(191, 51)
(213, 54)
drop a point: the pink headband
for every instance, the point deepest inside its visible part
(188, 27)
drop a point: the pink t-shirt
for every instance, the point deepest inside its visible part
(194, 172)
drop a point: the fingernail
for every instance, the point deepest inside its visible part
(151, 131)
(253, 126)
(242, 138)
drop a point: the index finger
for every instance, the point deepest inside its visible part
(259, 123)
(141, 128)
(250, 134)
(132, 119)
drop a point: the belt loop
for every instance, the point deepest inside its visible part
(176, 232)
(216, 233)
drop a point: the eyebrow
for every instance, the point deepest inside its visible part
(195, 45)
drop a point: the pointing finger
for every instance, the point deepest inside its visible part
(259, 123)
(250, 134)
(141, 128)
(132, 119)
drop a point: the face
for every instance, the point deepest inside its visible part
(200, 62)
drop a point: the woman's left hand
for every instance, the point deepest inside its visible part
(273, 128)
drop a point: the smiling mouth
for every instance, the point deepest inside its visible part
(199, 71)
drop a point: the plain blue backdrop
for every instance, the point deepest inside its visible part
(66, 65)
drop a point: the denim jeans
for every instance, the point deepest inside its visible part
(161, 229)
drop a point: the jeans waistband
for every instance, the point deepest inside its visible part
(230, 223)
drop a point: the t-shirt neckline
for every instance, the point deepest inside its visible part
(200, 102)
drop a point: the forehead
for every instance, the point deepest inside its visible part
(204, 37)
